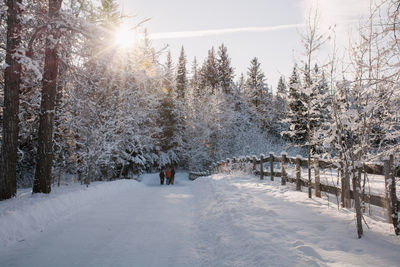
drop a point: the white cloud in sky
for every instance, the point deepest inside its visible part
(342, 13)
(202, 33)
(333, 11)
(345, 14)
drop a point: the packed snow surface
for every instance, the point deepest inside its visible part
(221, 220)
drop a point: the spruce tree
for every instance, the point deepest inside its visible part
(295, 118)
(240, 83)
(169, 81)
(225, 71)
(195, 78)
(280, 105)
(259, 95)
(255, 83)
(209, 72)
(109, 14)
(181, 79)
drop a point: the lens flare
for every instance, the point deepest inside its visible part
(124, 37)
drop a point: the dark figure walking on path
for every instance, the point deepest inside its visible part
(172, 175)
(162, 175)
(168, 176)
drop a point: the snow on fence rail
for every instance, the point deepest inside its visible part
(195, 175)
(387, 169)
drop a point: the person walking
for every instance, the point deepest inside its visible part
(168, 176)
(162, 175)
(172, 175)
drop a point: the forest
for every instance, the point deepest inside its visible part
(76, 101)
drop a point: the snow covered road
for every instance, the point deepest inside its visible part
(223, 220)
(147, 225)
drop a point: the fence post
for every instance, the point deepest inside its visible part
(393, 196)
(316, 177)
(341, 175)
(298, 173)
(261, 167)
(254, 163)
(283, 163)
(271, 165)
(387, 169)
(347, 197)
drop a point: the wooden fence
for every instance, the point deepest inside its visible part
(195, 175)
(387, 170)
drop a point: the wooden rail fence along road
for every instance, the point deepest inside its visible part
(387, 169)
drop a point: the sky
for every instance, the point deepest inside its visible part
(267, 29)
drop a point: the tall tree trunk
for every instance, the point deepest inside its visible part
(12, 80)
(42, 182)
(357, 202)
(347, 197)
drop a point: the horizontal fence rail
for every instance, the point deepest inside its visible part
(195, 175)
(316, 164)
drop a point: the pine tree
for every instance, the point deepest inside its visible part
(181, 79)
(12, 81)
(255, 83)
(169, 81)
(109, 14)
(209, 72)
(259, 95)
(241, 83)
(42, 182)
(225, 71)
(296, 110)
(195, 78)
(280, 105)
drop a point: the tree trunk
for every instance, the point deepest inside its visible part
(342, 182)
(298, 174)
(393, 197)
(283, 169)
(42, 182)
(347, 197)
(12, 80)
(271, 165)
(309, 171)
(357, 203)
(390, 192)
(317, 177)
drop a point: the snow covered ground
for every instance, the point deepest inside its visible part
(222, 220)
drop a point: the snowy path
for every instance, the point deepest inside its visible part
(223, 220)
(149, 226)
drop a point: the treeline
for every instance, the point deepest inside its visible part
(348, 109)
(75, 102)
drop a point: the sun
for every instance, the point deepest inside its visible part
(124, 37)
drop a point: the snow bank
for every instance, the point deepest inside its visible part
(244, 221)
(220, 220)
(28, 214)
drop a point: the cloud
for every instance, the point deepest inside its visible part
(332, 12)
(202, 33)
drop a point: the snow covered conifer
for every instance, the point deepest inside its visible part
(295, 120)
(240, 85)
(169, 79)
(225, 71)
(255, 83)
(280, 105)
(209, 72)
(181, 75)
